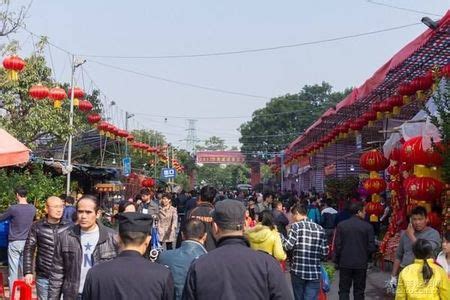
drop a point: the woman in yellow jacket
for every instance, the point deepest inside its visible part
(265, 237)
(423, 279)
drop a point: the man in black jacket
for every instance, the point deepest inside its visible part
(354, 244)
(41, 240)
(78, 249)
(130, 276)
(233, 270)
(203, 212)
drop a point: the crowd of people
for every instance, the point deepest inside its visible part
(213, 245)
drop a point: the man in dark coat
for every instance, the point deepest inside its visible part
(203, 212)
(354, 243)
(233, 270)
(130, 275)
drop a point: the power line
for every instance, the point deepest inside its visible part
(183, 83)
(233, 52)
(403, 8)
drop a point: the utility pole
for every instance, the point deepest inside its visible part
(127, 116)
(69, 166)
(282, 169)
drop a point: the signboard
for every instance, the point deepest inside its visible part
(220, 157)
(168, 173)
(126, 162)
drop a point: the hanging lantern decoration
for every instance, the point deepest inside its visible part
(396, 102)
(445, 71)
(78, 94)
(148, 182)
(422, 84)
(393, 170)
(376, 107)
(370, 117)
(130, 138)
(413, 153)
(94, 118)
(103, 127)
(396, 154)
(406, 91)
(38, 92)
(374, 185)
(57, 94)
(13, 65)
(424, 189)
(373, 161)
(85, 106)
(374, 210)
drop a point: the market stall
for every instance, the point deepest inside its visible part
(12, 152)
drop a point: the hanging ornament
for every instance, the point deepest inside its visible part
(57, 94)
(38, 92)
(85, 106)
(13, 65)
(424, 188)
(148, 182)
(370, 116)
(406, 91)
(414, 154)
(78, 94)
(373, 161)
(374, 210)
(94, 118)
(396, 102)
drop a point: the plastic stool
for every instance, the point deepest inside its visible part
(25, 291)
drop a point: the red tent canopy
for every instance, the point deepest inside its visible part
(12, 152)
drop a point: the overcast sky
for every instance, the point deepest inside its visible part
(161, 28)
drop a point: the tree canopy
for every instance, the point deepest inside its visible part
(214, 143)
(284, 118)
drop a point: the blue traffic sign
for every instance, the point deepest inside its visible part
(168, 173)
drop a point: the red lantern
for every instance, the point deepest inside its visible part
(78, 94)
(38, 92)
(424, 188)
(413, 153)
(426, 81)
(374, 161)
(13, 65)
(358, 124)
(406, 90)
(148, 182)
(396, 102)
(57, 94)
(85, 106)
(370, 116)
(93, 118)
(385, 106)
(374, 210)
(374, 185)
(122, 133)
(446, 71)
(130, 138)
(103, 127)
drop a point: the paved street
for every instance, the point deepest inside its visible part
(374, 289)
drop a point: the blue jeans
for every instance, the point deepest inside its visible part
(15, 256)
(42, 288)
(305, 289)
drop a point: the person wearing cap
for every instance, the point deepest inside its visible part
(130, 275)
(233, 270)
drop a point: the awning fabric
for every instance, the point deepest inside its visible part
(12, 152)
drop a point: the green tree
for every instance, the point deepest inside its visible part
(223, 176)
(284, 118)
(214, 143)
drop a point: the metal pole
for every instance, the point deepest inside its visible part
(69, 153)
(282, 170)
(126, 139)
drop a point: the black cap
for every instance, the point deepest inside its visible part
(135, 222)
(229, 214)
